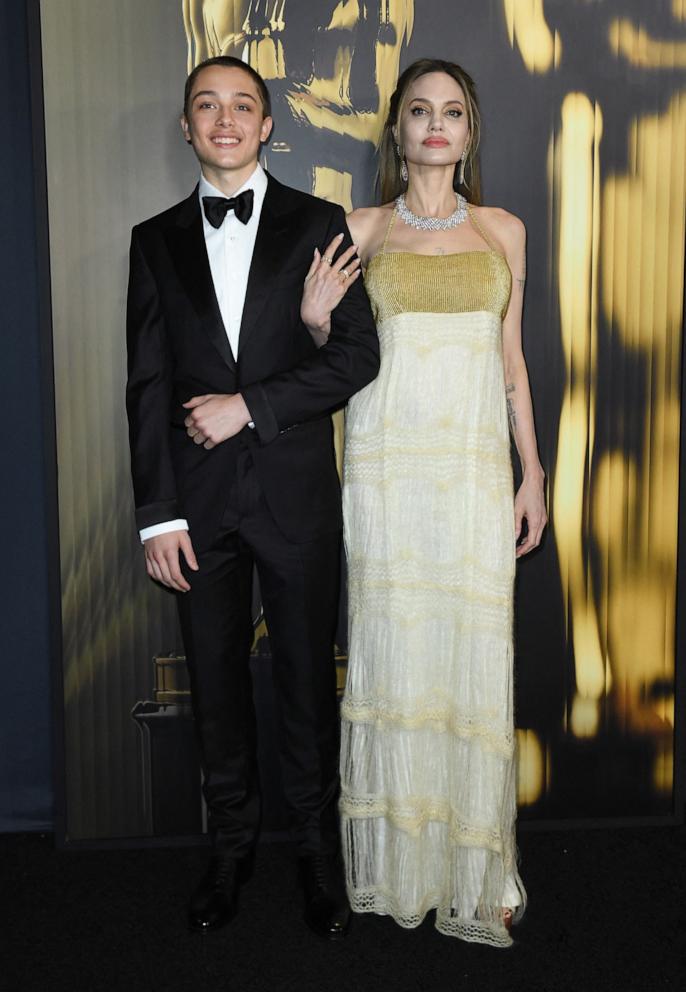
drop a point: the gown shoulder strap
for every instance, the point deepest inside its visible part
(389, 228)
(477, 225)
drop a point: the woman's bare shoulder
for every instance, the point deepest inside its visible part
(506, 227)
(368, 226)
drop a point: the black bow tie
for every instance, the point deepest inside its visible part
(217, 207)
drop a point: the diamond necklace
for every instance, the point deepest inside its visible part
(432, 223)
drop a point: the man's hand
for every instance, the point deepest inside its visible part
(162, 558)
(215, 418)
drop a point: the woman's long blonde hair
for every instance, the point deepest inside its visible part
(390, 183)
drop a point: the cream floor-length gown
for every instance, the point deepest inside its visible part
(427, 764)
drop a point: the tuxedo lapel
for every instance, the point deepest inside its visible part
(186, 242)
(270, 248)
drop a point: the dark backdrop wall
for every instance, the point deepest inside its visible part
(585, 138)
(25, 763)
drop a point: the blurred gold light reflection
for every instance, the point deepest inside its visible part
(213, 27)
(527, 28)
(324, 102)
(252, 30)
(345, 16)
(663, 771)
(642, 280)
(531, 767)
(633, 228)
(576, 197)
(640, 49)
(333, 184)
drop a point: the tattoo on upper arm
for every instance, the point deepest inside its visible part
(509, 389)
(521, 279)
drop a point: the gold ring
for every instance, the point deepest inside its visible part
(325, 258)
(345, 273)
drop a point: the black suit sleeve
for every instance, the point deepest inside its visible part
(325, 381)
(148, 396)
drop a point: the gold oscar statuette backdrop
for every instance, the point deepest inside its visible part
(584, 138)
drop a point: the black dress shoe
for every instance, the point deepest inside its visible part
(327, 911)
(215, 901)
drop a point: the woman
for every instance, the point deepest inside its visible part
(427, 765)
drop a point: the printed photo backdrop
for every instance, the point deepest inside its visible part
(584, 108)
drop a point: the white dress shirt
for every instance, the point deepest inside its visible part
(229, 251)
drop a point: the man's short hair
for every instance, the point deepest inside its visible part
(229, 62)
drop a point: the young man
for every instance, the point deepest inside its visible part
(229, 406)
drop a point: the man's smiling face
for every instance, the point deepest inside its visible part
(225, 124)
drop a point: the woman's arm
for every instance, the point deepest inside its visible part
(530, 499)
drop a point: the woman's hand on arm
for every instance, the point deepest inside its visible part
(326, 283)
(364, 225)
(530, 498)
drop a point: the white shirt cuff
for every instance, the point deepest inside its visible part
(164, 528)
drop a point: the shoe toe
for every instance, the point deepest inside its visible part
(328, 918)
(215, 913)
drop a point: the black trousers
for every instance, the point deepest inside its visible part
(299, 585)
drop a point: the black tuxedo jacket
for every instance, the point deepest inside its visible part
(178, 348)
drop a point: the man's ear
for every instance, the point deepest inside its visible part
(266, 129)
(183, 121)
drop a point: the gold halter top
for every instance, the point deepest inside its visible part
(459, 282)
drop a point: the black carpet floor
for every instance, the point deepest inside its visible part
(607, 910)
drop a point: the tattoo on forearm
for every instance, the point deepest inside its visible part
(509, 389)
(521, 279)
